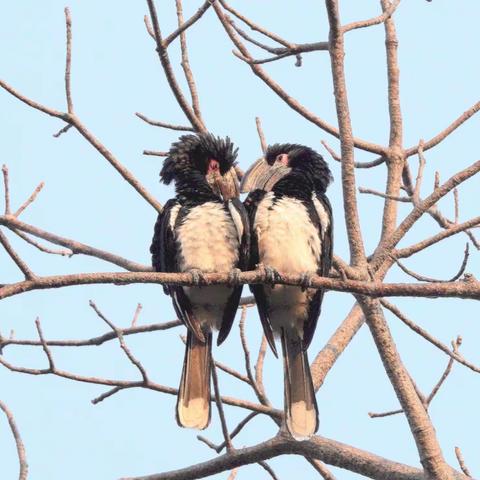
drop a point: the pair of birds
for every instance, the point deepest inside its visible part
(284, 225)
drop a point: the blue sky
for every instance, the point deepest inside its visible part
(115, 72)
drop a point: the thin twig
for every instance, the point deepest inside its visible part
(169, 73)
(233, 433)
(259, 367)
(94, 341)
(22, 457)
(63, 130)
(423, 278)
(196, 16)
(218, 401)
(461, 462)
(136, 315)
(29, 275)
(47, 351)
(121, 340)
(68, 62)
(268, 469)
(155, 153)
(423, 333)
(384, 195)
(372, 21)
(246, 354)
(15, 224)
(421, 167)
(261, 136)
(186, 64)
(455, 345)
(42, 248)
(427, 401)
(7, 190)
(30, 199)
(170, 126)
(456, 205)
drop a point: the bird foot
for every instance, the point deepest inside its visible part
(306, 281)
(234, 277)
(271, 275)
(198, 279)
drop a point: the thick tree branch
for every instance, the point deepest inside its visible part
(468, 288)
(337, 53)
(329, 451)
(431, 456)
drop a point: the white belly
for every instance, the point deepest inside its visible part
(288, 242)
(208, 241)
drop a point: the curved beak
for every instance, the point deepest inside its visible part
(262, 176)
(226, 186)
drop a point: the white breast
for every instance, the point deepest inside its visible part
(288, 242)
(287, 239)
(208, 239)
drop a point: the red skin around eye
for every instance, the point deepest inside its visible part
(213, 166)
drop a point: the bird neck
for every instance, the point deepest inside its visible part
(297, 184)
(193, 188)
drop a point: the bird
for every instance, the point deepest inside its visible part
(203, 229)
(291, 231)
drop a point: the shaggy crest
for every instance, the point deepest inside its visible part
(303, 158)
(192, 152)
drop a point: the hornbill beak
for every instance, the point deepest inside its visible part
(226, 186)
(263, 176)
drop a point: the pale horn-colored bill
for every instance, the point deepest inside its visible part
(262, 176)
(226, 186)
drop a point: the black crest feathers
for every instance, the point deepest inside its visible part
(192, 152)
(304, 159)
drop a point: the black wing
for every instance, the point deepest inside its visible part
(325, 263)
(164, 254)
(251, 205)
(236, 209)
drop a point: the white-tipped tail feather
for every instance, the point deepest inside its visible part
(301, 414)
(193, 401)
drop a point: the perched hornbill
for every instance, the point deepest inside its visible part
(203, 229)
(291, 231)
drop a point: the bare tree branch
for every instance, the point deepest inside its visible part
(388, 12)
(183, 27)
(29, 275)
(461, 462)
(326, 450)
(68, 62)
(429, 451)
(22, 458)
(76, 247)
(6, 189)
(445, 133)
(197, 123)
(169, 126)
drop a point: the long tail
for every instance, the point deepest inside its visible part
(193, 401)
(301, 412)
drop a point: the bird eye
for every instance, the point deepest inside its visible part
(282, 159)
(213, 166)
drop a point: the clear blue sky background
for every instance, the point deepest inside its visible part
(116, 72)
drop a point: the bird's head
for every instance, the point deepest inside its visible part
(285, 159)
(202, 160)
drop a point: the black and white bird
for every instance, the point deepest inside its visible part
(291, 231)
(203, 229)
